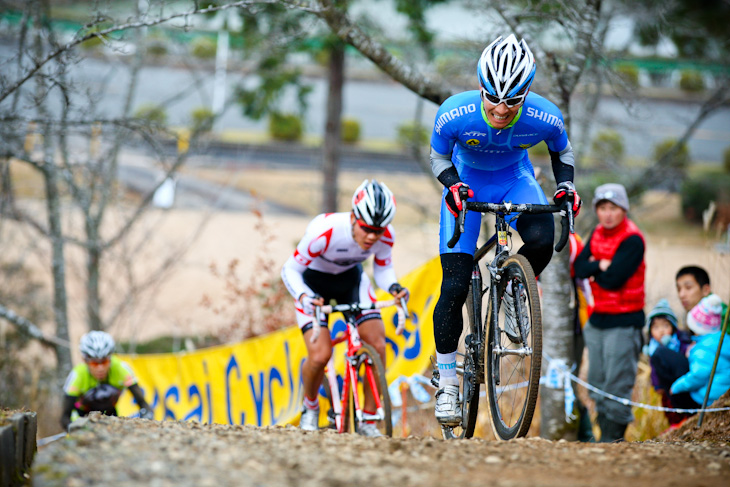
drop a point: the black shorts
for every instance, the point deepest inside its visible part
(343, 288)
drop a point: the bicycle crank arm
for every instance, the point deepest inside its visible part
(378, 416)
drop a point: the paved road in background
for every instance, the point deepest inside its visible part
(381, 106)
(193, 193)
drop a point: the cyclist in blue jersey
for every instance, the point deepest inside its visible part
(479, 150)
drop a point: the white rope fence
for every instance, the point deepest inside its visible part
(555, 378)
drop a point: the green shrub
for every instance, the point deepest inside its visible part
(629, 73)
(350, 130)
(156, 47)
(539, 150)
(92, 43)
(412, 135)
(608, 148)
(168, 344)
(691, 81)
(202, 119)
(679, 160)
(283, 126)
(697, 193)
(203, 48)
(448, 66)
(96, 41)
(726, 160)
(151, 113)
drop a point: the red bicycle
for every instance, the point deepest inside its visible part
(364, 373)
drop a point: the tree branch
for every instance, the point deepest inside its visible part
(118, 28)
(31, 330)
(409, 77)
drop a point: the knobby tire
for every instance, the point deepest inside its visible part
(512, 401)
(371, 360)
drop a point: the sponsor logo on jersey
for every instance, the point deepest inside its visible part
(525, 135)
(453, 114)
(491, 151)
(472, 142)
(475, 134)
(545, 117)
(344, 262)
(301, 259)
(524, 146)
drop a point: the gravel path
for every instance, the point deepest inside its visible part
(131, 452)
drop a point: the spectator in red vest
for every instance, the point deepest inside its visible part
(613, 261)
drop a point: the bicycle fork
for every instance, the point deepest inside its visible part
(354, 362)
(335, 393)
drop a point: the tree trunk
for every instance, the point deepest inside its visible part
(333, 129)
(53, 206)
(58, 265)
(558, 311)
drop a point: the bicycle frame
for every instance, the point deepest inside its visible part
(353, 361)
(351, 379)
(500, 269)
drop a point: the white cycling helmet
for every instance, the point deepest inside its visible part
(373, 203)
(96, 344)
(506, 68)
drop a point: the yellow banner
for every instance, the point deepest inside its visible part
(258, 381)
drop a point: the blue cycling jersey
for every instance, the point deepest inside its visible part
(462, 127)
(494, 162)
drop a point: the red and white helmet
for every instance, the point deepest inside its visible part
(373, 203)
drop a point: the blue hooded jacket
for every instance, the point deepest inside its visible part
(701, 358)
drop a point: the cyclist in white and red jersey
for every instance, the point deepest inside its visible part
(327, 264)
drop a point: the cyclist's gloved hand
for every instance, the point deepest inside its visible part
(309, 302)
(454, 201)
(145, 413)
(396, 290)
(566, 189)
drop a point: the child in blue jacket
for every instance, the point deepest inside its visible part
(706, 318)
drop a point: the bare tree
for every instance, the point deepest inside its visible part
(83, 183)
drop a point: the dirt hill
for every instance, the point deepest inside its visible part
(132, 452)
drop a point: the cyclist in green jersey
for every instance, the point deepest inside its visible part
(96, 384)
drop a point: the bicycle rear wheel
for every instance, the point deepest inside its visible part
(371, 376)
(513, 369)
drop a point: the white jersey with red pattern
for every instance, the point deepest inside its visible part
(328, 246)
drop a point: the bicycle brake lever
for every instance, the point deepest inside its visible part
(402, 312)
(404, 307)
(567, 227)
(316, 327)
(458, 228)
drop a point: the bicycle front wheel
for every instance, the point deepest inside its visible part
(371, 376)
(513, 359)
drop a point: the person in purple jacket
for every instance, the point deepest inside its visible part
(667, 351)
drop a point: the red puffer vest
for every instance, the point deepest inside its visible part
(630, 296)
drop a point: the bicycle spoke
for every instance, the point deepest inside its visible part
(513, 393)
(371, 378)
